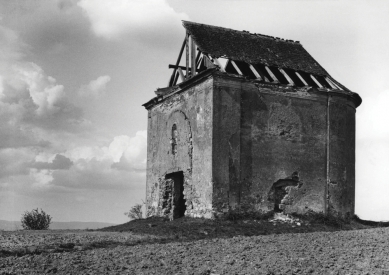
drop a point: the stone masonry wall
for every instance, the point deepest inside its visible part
(341, 188)
(270, 149)
(184, 147)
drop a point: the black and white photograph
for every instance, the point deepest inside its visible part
(204, 137)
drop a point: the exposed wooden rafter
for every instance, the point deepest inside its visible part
(177, 63)
(316, 81)
(192, 57)
(176, 67)
(199, 58)
(332, 84)
(197, 61)
(187, 54)
(302, 79)
(255, 72)
(236, 67)
(275, 79)
(286, 76)
(175, 79)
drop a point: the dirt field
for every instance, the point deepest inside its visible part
(199, 247)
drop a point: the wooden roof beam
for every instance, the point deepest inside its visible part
(302, 79)
(316, 81)
(176, 67)
(177, 63)
(257, 75)
(333, 84)
(192, 57)
(187, 54)
(286, 76)
(275, 79)
(236, 67)
(175, 79)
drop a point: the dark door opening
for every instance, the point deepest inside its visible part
(178, 200)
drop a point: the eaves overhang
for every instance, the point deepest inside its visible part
(178, 88)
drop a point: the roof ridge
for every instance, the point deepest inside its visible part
(246, 32)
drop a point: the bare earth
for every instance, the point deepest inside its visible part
(198, 247)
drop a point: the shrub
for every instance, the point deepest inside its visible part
(35, 220)
(135, 212)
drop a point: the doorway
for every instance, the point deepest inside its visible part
(178, 200)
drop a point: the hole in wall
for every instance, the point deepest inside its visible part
(280, 190)
(178, 206)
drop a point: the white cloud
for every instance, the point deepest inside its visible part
(88, 153)
(95, 88)
(44, 91)
(129, 152)
(111, 19)
(59, 162)
(123, 153)
(27, 93)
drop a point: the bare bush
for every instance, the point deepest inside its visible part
(35, 220)
(135, 212)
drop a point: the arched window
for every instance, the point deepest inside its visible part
(174, 139)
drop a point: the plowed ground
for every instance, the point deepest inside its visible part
(196, 246)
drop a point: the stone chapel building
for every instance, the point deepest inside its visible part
(249, 123)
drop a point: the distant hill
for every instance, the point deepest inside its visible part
(15, 225)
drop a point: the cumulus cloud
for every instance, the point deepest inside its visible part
(34, 112)
(87, 153)
(59, 162)
(48, 149)
(112, 19)
(118, 164)
(46, 94)
(129, 153)
(95, 88)
(27, 93)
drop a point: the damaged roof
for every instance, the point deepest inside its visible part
(253, 48)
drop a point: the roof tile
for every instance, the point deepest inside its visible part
(253, 48)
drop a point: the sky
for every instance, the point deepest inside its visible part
(74, 74)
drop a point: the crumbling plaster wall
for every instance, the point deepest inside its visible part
(266, 133)
(191, 112)
(341, 187)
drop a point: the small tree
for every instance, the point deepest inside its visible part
(35, 220)
(135, 212)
